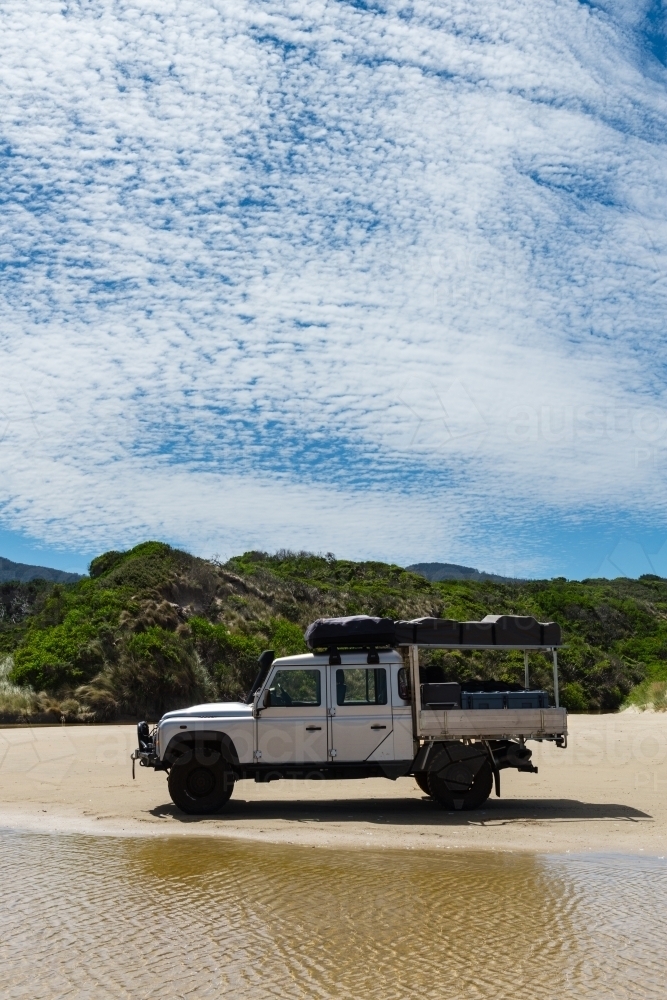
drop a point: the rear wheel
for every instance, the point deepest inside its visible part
(460, 777)
(421, 777)
(198, 787)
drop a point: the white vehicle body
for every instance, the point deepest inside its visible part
(353, 714)
(355, 711)
(329, 730)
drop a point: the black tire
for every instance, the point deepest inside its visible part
(197, 787)
(460, 777)
(421, 777)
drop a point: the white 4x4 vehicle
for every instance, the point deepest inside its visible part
(364, 713)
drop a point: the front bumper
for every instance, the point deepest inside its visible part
(146, 753)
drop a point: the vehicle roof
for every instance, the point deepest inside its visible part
(358, 657)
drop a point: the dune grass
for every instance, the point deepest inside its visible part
(649, 695)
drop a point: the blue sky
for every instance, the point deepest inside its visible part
(383, 279)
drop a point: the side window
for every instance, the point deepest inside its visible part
(403, 685)
(296, 688)
(361, 687)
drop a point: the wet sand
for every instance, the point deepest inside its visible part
(607, 792)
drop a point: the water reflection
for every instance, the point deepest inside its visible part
(205, 917)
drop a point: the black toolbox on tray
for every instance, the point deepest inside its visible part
(441, 695)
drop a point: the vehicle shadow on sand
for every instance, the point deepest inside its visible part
(410, 812)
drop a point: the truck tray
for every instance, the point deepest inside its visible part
(492, 723)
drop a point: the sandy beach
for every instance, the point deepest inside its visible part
(607, 792)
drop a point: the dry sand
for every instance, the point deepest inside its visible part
(606, 792)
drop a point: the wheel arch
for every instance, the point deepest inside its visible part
(204, 740)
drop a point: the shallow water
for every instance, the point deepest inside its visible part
(106, 918)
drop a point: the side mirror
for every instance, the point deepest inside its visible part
(266, 701)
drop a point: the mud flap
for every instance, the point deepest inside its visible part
(494, 767)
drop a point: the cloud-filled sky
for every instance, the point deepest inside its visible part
(386, 279)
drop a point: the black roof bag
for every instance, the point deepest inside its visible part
(359, 631)
(425, 630)
(494, 630)
(356, 632)
(477, 634)
(523, 630)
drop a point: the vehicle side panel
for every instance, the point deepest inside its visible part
(240, 732)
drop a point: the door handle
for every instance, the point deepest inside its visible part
(378, 727)
(312, 729)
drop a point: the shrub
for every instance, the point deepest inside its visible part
(230, 657)
(63, 648)
(156, 672)
(573, 697)
(104, 563)
(286, 638)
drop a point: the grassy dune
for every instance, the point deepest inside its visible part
(155, 628)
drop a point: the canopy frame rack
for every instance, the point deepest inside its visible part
(413, 661)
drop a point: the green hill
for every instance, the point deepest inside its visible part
(23, 573)
(155, 628)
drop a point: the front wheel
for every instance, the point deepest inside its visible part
(460, 777)
(200, 788)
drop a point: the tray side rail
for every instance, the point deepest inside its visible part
(527, 723)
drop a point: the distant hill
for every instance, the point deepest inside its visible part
(435, 572)
(10, 571)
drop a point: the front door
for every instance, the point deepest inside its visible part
(292, 729)
(360, 712)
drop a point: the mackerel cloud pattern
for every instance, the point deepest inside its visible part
(382, 278)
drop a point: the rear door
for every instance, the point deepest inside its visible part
(293, 728)
(360, 707)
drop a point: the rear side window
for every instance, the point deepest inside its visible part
(361, 687)
(296, 688)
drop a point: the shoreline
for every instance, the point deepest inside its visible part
(605, 794)
(65, 826)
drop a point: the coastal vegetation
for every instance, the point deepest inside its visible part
(155, 628)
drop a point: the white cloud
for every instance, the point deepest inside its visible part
(326, 262)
